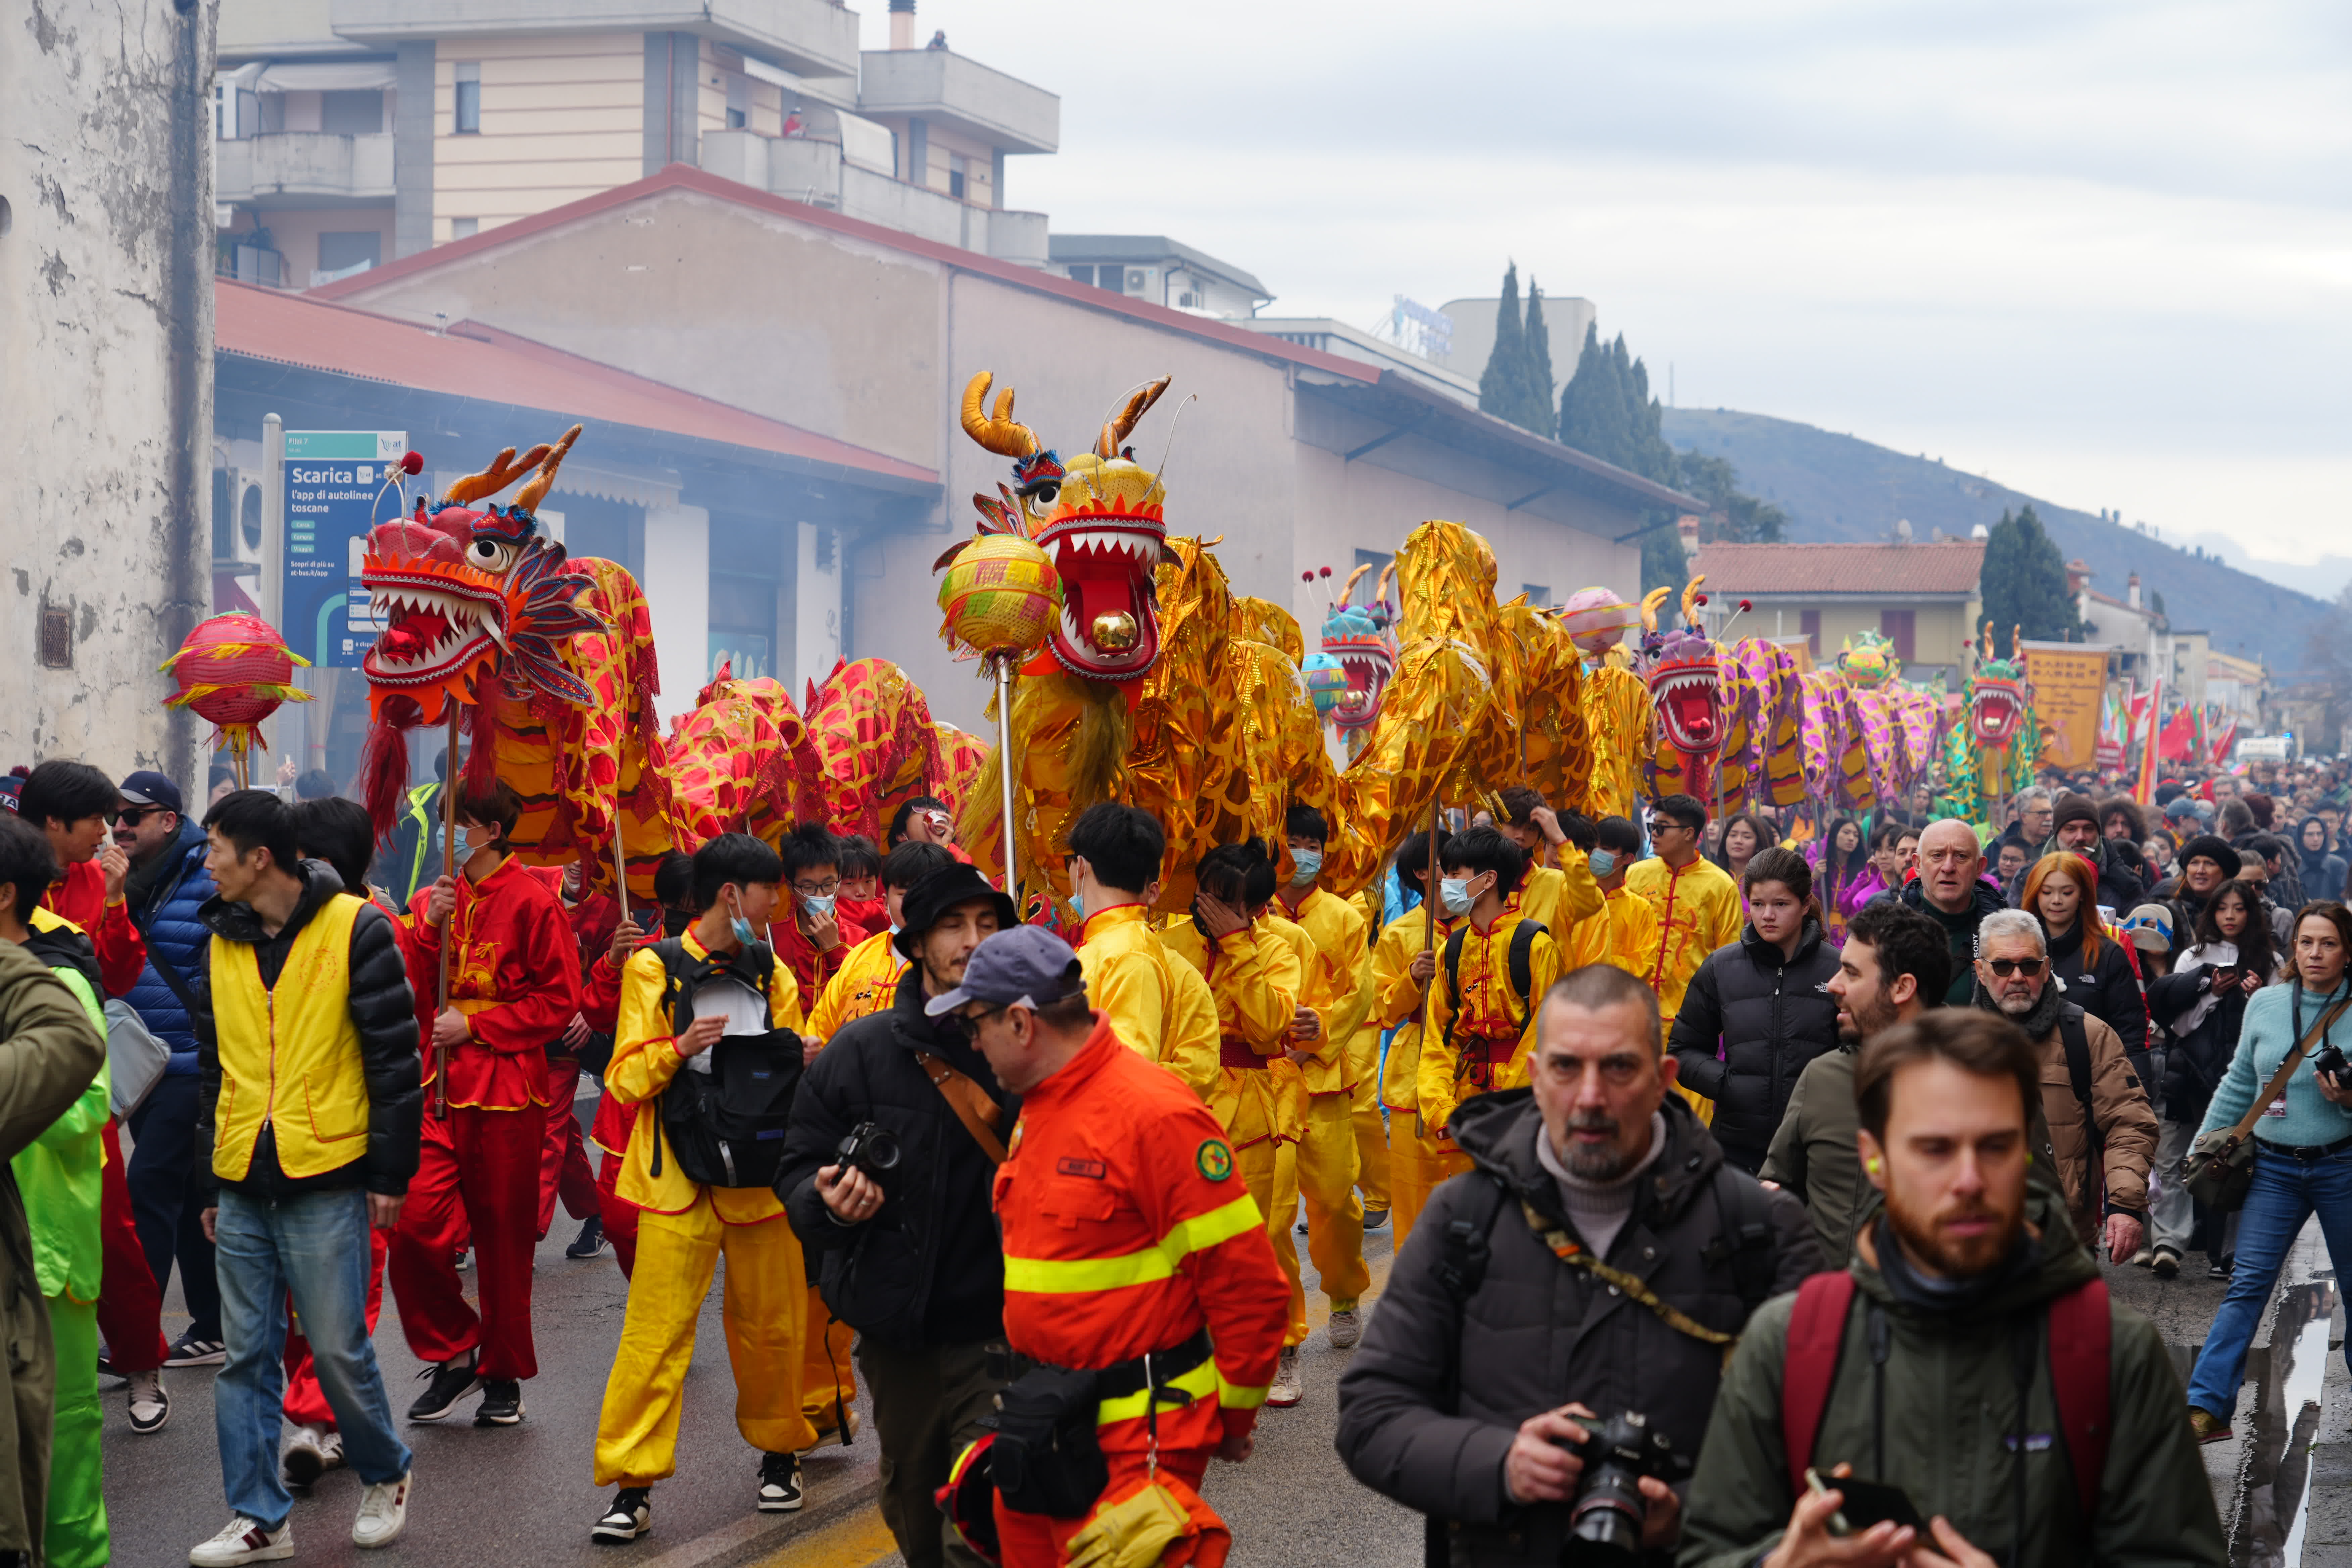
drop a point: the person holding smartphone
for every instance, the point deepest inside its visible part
(2200, 1009)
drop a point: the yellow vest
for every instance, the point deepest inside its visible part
(289, 1055)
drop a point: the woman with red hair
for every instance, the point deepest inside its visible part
(2061, 891)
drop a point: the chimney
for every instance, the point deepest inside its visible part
(902, 24)
(2078, 577)
(1687, 530)
(2131, 590)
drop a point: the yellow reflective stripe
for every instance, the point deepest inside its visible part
(1199, 1382)
(1077, 1276)
(1233, 1396)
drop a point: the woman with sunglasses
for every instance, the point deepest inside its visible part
(2303, 1151)
(2200, 1010)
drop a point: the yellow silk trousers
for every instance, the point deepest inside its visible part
(1320, 1166)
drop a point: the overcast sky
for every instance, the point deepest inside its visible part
(2102, 251)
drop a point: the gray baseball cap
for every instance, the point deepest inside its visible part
(1027, 964)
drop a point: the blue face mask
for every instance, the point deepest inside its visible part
(1603, 862)
(1078, 905)
(1305, 864)
(742, 929)
(820, 908)
(1453, 893)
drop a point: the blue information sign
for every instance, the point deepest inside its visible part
(335, 491)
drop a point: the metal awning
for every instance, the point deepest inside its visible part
(325, 75)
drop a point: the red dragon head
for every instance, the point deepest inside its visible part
(1099, 517)
(1359, 638)
(1997, 695)
(467, 593)
(1682, 669)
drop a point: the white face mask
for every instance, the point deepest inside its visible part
(1453, 893)
(1603, 862)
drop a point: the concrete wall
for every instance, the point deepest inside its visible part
(106, 384)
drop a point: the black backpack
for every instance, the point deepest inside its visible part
(1522, 966)
(725, 1127)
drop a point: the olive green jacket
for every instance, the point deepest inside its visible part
(49, 1052)
(1951, 1405)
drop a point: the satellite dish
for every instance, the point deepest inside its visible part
(1902, 530)
(1980, 532)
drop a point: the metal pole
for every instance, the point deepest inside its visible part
(273, 519)
(449, 869)
(1428, 937)
(1004, 663)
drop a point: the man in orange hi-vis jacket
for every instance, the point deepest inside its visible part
(1131, 1250)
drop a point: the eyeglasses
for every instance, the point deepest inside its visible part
(135, 815)
(2005, 967)
(817, 889)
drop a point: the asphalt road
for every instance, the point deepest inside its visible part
(522, 1495)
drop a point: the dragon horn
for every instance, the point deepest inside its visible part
(998, 432)
(1354, 577)
(531, 494)
(1690, 598)
(503, 472)
(2016, 646)
(1381, 586)
(1649, 603)
(1121, 424)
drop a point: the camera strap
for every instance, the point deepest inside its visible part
(1570, 1251)
(971, 1103)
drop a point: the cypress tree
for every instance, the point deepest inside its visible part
(1499, 382)
(1536, 405)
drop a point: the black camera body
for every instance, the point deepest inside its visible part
(1605, 1516)
(872, 1150)
(2329, 1059)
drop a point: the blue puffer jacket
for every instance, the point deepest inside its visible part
(166, 917)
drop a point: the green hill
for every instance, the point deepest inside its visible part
(1839, 488)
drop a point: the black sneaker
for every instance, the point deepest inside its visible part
(501, 1402)
(194, 1350)
(2217, 1271)
(449, 1383)
(779, 1483)
(590, 1239)
(1375, 1218)
(630, 1515)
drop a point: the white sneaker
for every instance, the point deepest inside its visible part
(243, 1540)
(1346, 1328)
(384, 1508)
(1286, 1390)
(149, 1405)
(310, 1452)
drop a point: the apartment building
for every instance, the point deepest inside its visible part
(351, 132)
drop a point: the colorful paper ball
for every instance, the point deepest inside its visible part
(1001, 594)
(1326, 681)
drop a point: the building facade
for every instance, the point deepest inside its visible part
(1923, 598)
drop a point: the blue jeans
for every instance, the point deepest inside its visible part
(316, 1247)
(2283, 1196)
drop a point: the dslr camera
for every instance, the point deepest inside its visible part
(1605, 1516)
(869, 1149)
(2329, 1059)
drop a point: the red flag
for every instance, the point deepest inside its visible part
(2221, 744)
(2179, 742)
(2145, 793)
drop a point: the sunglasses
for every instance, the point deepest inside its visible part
(2005, 967)
(135, 815)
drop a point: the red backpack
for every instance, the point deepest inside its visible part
(2080, 1330)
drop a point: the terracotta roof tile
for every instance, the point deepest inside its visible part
(1947, 567)
(474, 361)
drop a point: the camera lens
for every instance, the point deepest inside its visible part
(1606, 1525)
(881, 1151)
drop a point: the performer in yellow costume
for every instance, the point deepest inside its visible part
(1482, 1021)
(1695, 903)
(1625, 932)
(1370, 1128)
(1162, 1009)
(1323, 1157)
(684, 1227)
(1403, 966)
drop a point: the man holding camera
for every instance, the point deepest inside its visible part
(1607, 1254)
(908, 1248)
(1966, 1373)
(1130, 1245)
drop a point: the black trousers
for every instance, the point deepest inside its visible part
(165, 1201)
(928, 1405)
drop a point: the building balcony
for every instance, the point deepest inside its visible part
(303, 168)
(960, 95)
(813, 37)
(804, 169)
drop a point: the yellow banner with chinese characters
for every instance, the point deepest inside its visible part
(2068, 683)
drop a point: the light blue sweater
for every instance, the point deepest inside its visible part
(2263, 1042)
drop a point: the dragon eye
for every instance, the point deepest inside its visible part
(490, 556)
(1045, 494)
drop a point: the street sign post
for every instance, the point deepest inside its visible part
(333, 484)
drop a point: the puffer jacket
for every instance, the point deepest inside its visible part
(1949, 1393)
(1959, 931)
(2108, 990)
(2194, 1059)
(1749, 1023)
(928, 1268)
(1537, 1333)
(163, 906)
(384, 1012)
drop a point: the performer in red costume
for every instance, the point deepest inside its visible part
(514, 983)
(818, 936)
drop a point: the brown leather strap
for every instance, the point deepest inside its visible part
(2277, 1084)
(971, 1103)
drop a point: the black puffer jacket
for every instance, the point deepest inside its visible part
(2108, 991)
(1769, 1017)
(384, 1012)
(2194, 1062)
(928, 1268)
(1537, 1333)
